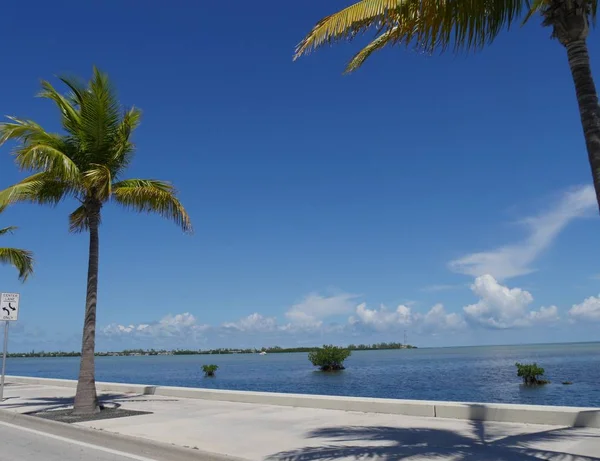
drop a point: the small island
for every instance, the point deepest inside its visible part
(329, 358)
(210, 370)
(531, 374)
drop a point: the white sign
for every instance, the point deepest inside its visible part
(9, 306)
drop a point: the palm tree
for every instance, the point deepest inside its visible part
(464, 25)
(22, 260)
(86, 163)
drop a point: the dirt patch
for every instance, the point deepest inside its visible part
(67, 416)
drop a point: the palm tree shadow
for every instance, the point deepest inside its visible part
(57, 403)
(393, 443)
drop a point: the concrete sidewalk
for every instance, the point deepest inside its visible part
(268, 432)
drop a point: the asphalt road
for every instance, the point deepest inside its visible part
(24, 444)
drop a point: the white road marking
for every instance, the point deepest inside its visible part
(77, 442)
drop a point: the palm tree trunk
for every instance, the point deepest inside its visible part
(86, 399)
(587, 98)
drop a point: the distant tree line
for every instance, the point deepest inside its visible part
(139, 352)
(44, 354)
(268, 350)
(379, 346)
(280, 350)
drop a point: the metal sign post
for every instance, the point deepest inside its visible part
(9, 312)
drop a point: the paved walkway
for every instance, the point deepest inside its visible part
(273, 433)
(27, 445)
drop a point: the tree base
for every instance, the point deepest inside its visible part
(86, 412)
(69, 416)
(537, 382)
(330, 368)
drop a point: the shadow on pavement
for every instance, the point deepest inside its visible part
(54, 403)
(477, 444)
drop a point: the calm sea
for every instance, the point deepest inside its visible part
(472, 374)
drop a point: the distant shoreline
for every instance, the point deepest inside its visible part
(220, 351)
(137, 352)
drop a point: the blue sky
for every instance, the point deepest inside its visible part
(451, 190)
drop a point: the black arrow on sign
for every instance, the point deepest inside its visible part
(12, 308)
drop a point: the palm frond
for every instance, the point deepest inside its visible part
(346, 23)
(78, 220)
(152, 196)
(45, 158)
(465, 25)
(428, 25)
(534, 6)
(26, 131)
(40, 150)
(71, 120)
(98, 182)
(123, 148)
(100, 118)
(8, 230)
(22, 260)
(553, 10)
(380, 42)
(77, 88)
(39, 188)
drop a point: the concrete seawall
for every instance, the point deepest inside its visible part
(531, 414)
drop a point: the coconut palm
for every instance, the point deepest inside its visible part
(86, 163)
(22, 260)
(431, 25)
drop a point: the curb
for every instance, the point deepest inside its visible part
(499, 412)
(142, 389)
(127, 444)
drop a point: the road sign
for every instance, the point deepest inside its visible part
(9, 306)
(9, 312)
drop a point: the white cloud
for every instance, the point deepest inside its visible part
(516, 259)
(383, 319)
(180, 325)
(503, 307)
(184, 329)
(588, 310)
(545, 314)
(314, 308)
(303, 324)
(437, 319)
(253, 323)
(306, 322)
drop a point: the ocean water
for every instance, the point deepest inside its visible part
(469, 374)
